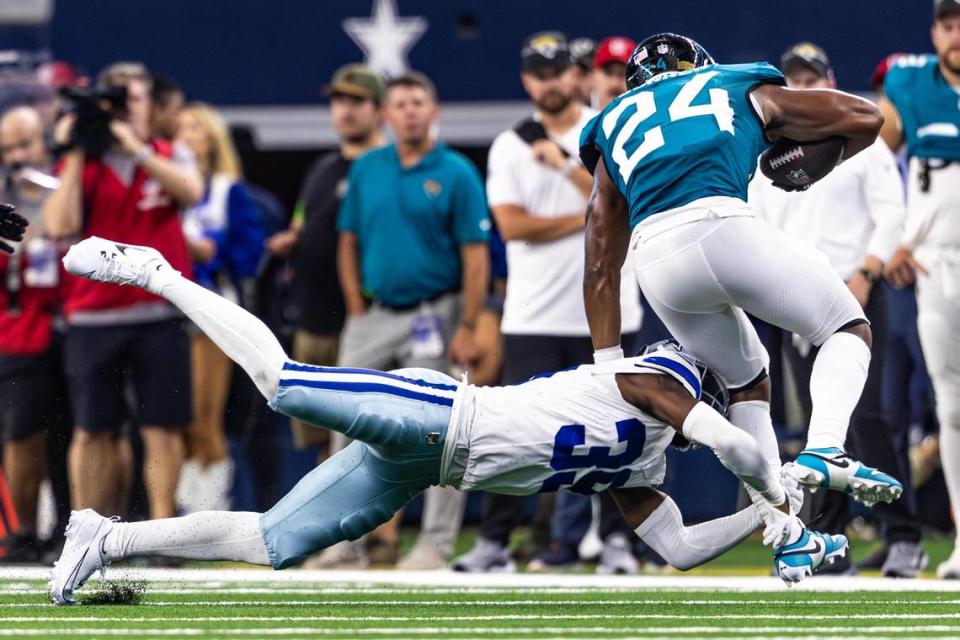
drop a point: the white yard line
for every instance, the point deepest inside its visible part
(563, 631)
(452, 579)
(500, 603)
(517, 616)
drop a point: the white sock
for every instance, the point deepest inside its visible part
(753, 417)
(950, 460)
(240, 334)
(206, 535)
(839, 373)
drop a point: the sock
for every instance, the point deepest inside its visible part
(240, 334)
(753, 417)
(950, 460)
(206, 535)
(837, 380)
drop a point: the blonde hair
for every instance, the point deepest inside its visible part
(223, 155)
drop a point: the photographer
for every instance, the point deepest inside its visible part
(34, 413)
(118, 183)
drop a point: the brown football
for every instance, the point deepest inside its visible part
(797, 165)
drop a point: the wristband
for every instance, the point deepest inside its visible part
(870, 275)
(144, 154)
(607, 354)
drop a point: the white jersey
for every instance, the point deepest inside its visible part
(571, 431)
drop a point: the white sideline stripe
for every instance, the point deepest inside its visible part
(501, 603)
(513, 582)
(511, 630)
(544, 616)
(472, 631)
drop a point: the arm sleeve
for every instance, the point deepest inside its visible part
(736, 450)
(687, 547)
(471, 219)
(883, 191)
(348, 218)
(503, 181)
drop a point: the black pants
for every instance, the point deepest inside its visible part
(526, 356)
(870, 437)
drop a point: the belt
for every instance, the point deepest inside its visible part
(401, 308)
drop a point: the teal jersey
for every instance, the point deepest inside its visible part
(928, 106)
(681, 136)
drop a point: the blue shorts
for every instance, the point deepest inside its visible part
(399, 423)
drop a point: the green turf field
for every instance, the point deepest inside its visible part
(252, 603)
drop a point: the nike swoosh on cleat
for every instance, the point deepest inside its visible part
(837, 462)
(817, 548)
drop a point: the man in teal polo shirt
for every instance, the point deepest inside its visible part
(413, 264)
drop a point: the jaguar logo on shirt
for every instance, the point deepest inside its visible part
(432, 188)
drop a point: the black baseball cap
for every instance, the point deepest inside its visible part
(546, 49)
(943, 7)
(808, 55)
(582, 51)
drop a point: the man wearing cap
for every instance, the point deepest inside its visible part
(854, 217)
(414, 266)
(582, 51)
(537, 190)
(355, 95)
(609, 64)
(921, 109)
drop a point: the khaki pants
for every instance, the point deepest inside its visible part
(321, 350)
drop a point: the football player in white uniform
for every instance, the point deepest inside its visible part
(590, 429)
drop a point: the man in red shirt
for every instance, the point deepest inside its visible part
(33, 398)
(120, 338)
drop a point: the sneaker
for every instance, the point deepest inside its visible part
(105, 261)
(559, 557)
(422, 558)
(807, 555)
(346, 555)
(487, 556)
(876, 559)
(82, 554)
(617, 557)
(904, 560)
(833, 469)
(949, 569)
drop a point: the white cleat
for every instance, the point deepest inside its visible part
(103, 260)
(81, 556)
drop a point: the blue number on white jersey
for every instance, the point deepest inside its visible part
(608, 470)
(681, 137)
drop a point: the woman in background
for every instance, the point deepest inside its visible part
(225, 237)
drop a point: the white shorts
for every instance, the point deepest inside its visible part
(701, 276)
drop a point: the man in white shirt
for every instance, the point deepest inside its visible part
(537, 190)
(855, 218)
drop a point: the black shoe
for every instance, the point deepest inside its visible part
(19, 549)
(875, 560)
(840, 567)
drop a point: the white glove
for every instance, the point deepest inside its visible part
(792, 488)
(778, 527)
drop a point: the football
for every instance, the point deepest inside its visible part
(795, 166)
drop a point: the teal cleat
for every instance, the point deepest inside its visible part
(807, 555)
(833, 469)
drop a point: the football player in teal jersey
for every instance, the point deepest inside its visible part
(672, 158)
(921, 106)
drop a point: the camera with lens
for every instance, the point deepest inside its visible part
(94, 109)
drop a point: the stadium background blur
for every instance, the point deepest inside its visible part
(263, 66)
